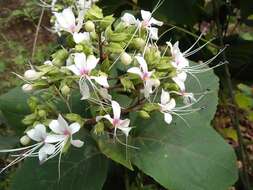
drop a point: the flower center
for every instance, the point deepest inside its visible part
(72, 28)
(84, 72)
(66, 133)
(115, 122)
(145, 23)
(145, 76)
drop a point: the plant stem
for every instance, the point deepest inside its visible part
(242, 155)
(37, 33)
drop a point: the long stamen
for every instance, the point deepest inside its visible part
(198, 49)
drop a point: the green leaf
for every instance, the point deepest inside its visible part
(81, 168)
(178, 156)
(14, 107)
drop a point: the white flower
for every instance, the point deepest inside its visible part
(85, 4)
(167, 105)
(27, 88)
(39, 134)
(66, 21)
(41, 149)
(81, 37)
(181, 63)
(116, 122)
(145, 76)
(63, 133)
(147, 22)
(83, 67)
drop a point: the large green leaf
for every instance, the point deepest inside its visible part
(14, 107)
(81, 169)
(177, 156)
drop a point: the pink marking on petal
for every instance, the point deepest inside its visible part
(115, 122)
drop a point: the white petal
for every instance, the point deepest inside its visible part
(80, 61)
(125, 130)
(135, 70)
(55, 127)
(92, 62)
(77, 143)
(165, 97)
(42, 155)
(38, 133)
(180, 83)
(84, 89)
(62, 123)
(54, 138)
(167, 118)
(81, 37)
(129, 19)
(146, 15)
(102, 80)
(66, 19)
(48, 149)
(172, 104)
(74, 69)
(142, 63)
(156, 22)
(116, 110)
(153, 33)
(108, 117)
(125, 123)
(74, 127)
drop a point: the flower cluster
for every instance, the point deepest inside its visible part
(103, 59)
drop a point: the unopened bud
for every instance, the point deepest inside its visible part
(65, 90)
(25, 140)
(89, 26)
(139, 43)
(144, 114)
(42, 113)
(125, 58)
(27, 88)
(31, 75)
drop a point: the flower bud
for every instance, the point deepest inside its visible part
(25, 140)
(89, 26)
(27, 88)
(65, 90)
(125, 58)
(139, 43)
(31, 75)
(144, 114)
(42, 113)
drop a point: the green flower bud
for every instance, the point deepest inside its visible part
(25, 140)
(65, 90)
(89, 26)
(42, 113)
(125, 58)
(79, 48)
(139, 43)
(144, 114)
(99, 128)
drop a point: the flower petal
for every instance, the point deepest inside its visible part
(125, 130)
(135, 70)
(54, 138)
(116, 110)
(80, 61)
(108, 117)
(77, 143)
(102, 80)
(167, 118)
(146, 15)
(172, 104)
(180, 83)
(92, 62)
(153, 33)
(66, 19)
(74, 69)
(142, 63)
(129, 19)
(84, 89)
(156, 22)
(81, 37)
(165, 97)
(74, 127)
(38, 133)
(48, 148)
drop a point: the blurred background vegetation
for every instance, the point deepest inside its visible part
(225, 22)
